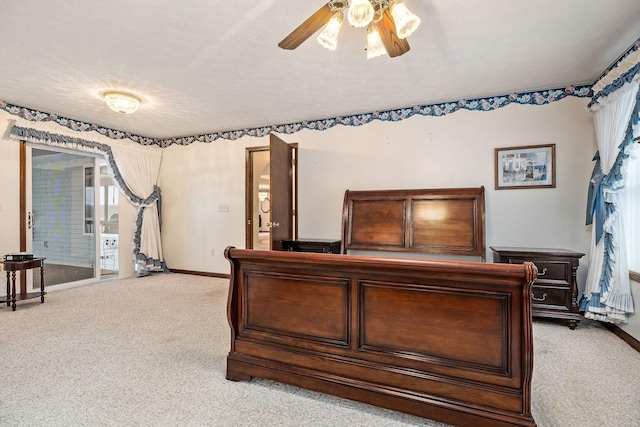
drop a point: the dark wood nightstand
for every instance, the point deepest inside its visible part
(555, 292)
(325, 246)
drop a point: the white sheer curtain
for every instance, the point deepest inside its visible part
(607, 290)
(140, 170)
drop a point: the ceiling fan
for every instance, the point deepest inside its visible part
(388, 21)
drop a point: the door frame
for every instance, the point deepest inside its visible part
(23, 211)
(249, 194)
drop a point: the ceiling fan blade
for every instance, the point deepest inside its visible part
(307, 28)
(387, 29)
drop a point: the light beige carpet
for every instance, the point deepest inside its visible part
(151, 352)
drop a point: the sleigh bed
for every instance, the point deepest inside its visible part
(446, 340)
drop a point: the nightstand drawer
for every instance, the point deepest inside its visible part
(550, 296)
(548, 270)
(551, 270)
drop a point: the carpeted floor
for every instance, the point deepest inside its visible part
(151, 352)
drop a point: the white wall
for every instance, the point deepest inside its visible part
(195, 180)
(9, 193)
(422, 152)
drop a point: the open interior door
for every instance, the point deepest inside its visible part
(281, 224)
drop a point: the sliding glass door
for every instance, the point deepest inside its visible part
(62, 216)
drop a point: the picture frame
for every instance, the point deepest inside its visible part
(529, 166)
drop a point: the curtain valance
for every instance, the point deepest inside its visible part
(625, 71)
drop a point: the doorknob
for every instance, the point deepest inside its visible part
(273, 225)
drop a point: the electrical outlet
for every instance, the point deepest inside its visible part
(213, 252)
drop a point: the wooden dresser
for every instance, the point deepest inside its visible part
(555, 292)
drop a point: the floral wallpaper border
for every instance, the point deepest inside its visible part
(542, 97)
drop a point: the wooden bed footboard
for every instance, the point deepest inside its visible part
(450, 341)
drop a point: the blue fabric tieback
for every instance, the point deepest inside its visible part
(595, 200)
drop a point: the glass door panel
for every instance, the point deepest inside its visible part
(109, 223)
(63, 200)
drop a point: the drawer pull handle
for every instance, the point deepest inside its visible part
(544, 297)
(543, 272)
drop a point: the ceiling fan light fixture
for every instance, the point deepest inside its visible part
(375, 47)
(360, 13)
(329, 36)
(406, 21)
(121, 102)
(392, 22)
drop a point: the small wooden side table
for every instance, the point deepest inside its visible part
(12, 267)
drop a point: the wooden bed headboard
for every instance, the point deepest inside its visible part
(433, 221)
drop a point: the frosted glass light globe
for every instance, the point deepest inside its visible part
(360, 13)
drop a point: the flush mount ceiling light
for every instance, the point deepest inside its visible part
(388, 24)
(121, 102)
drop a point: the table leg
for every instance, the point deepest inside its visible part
(13, 290)
(8, 291)
(42, 284)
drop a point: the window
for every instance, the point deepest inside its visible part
(632, 184)
(108, 198)
(89, 208)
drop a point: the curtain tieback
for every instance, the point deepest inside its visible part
(155, 195)
(597, 204)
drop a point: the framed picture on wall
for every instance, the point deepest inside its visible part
(530, 166)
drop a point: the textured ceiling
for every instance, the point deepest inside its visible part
(205, 66)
